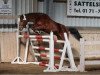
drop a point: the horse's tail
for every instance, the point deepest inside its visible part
(75, 33)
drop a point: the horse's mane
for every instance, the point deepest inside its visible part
(37, 14)
(27, 14)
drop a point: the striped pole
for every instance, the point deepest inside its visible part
(34, 36)
(47, 49)
(44, 64)
(47, 40)
(48, 56)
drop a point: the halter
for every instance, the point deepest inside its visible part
(24, 17)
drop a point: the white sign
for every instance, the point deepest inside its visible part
(5, 6)
(83, 8)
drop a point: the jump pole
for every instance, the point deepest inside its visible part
(27, 46)
(63, 55)
(70, 55)
(51, 67)
(17, 60)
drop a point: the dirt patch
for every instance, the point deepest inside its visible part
(7, 68)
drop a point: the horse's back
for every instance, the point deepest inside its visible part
(37, 14)
(62, 28)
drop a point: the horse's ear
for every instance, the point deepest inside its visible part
(24, 17)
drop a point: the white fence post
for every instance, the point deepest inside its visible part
(82, 56)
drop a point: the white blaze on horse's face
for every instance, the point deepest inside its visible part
(24, 17)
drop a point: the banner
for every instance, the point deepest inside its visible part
(5, 6)
(83, 8)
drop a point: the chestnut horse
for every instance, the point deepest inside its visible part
(43, 22)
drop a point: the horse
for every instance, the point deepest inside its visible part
(42, 22)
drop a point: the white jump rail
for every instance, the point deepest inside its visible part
(83, 53)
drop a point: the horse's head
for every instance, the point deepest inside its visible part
(23, 22)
